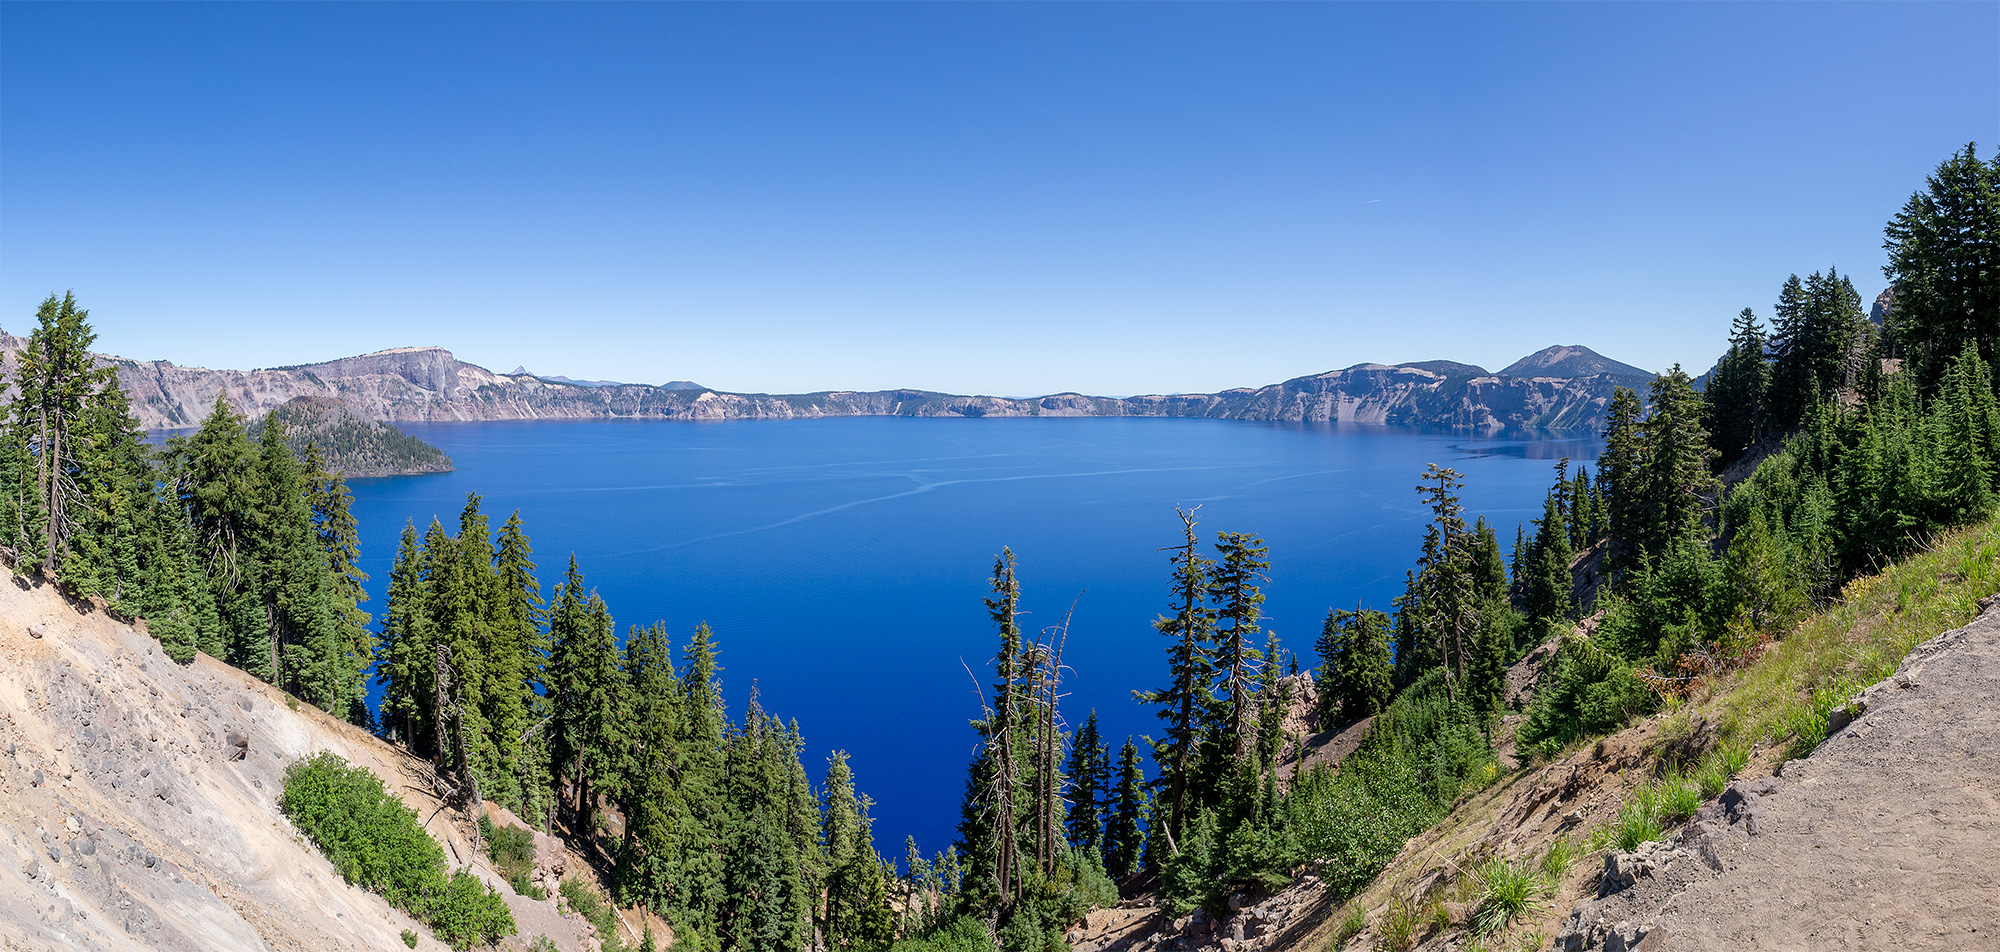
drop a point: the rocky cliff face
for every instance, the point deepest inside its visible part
(427, 383)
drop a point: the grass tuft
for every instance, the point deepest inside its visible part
(1506, 893)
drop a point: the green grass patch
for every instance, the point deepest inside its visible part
(1506, 893)
(1784, 696)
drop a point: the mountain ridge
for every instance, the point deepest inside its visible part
(425, 384)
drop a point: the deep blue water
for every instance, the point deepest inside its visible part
(842, 563)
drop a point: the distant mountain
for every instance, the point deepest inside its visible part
(1573, 360)
(523, 371)
(1561, 387)
(351, 444)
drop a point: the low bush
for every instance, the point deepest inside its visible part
(375, 842)
(595, 910)
(512, 849)
(963, 934)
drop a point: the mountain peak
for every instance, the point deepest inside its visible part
(1570, 360)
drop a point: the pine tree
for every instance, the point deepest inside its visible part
(1944, 265)
(1355, 671)
(354, 646)
(1233, 590)
(1546, 591)
(587, 706)
(1678, 489)
(1414, 655)
(1004, 729)
(1125, 838)
(1089, 787)
(1621, 480)
(1489, 569)
(1964, 428)
(289, 577)
(649, 859)
(1185, 702)
(1448, 612)
(219, 487)
(53, 386)
(1733, 401)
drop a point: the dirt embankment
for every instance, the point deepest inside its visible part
(138, 801)
(1888, 836)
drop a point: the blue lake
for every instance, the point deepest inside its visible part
(842, 563)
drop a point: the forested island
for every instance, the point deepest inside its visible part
(348, 443)
(1717, 523)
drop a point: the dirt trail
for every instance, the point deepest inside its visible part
(138, 801)
(1888, 836)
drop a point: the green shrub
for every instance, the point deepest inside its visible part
(1590, 692)
(524, 885)
(512, 849)
(1808, 719)
(410, 938)
(375, 842)
(963, 934)
(1357, 920)
(594, 910)
(1424, 752)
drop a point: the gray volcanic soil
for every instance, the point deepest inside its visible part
(138, 802)
(1888, 836)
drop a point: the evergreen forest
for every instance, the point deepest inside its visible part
(1821, 446)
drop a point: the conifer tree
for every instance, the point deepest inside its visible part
(1489, 569)
(290, 576)
(587, 707)
(1355, 671)
(649, 859)
(1546, 592)
(1001, 727)
(1125, 838)
(1964, 427)
(1944, 265)
(1414, 656)
(1678, 488)
(353, 642)
(1448, 611)
(219, 489)
(408, 646)
(53, 386)
(1733, 401)
(1621, 480)
(1089, 787)
(1233, 590)
(1185, 702)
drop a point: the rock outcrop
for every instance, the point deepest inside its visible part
(1569, 388)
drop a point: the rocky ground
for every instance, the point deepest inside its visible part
(138, 802)
(1888, 836)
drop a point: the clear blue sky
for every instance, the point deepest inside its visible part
(1009, 199)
